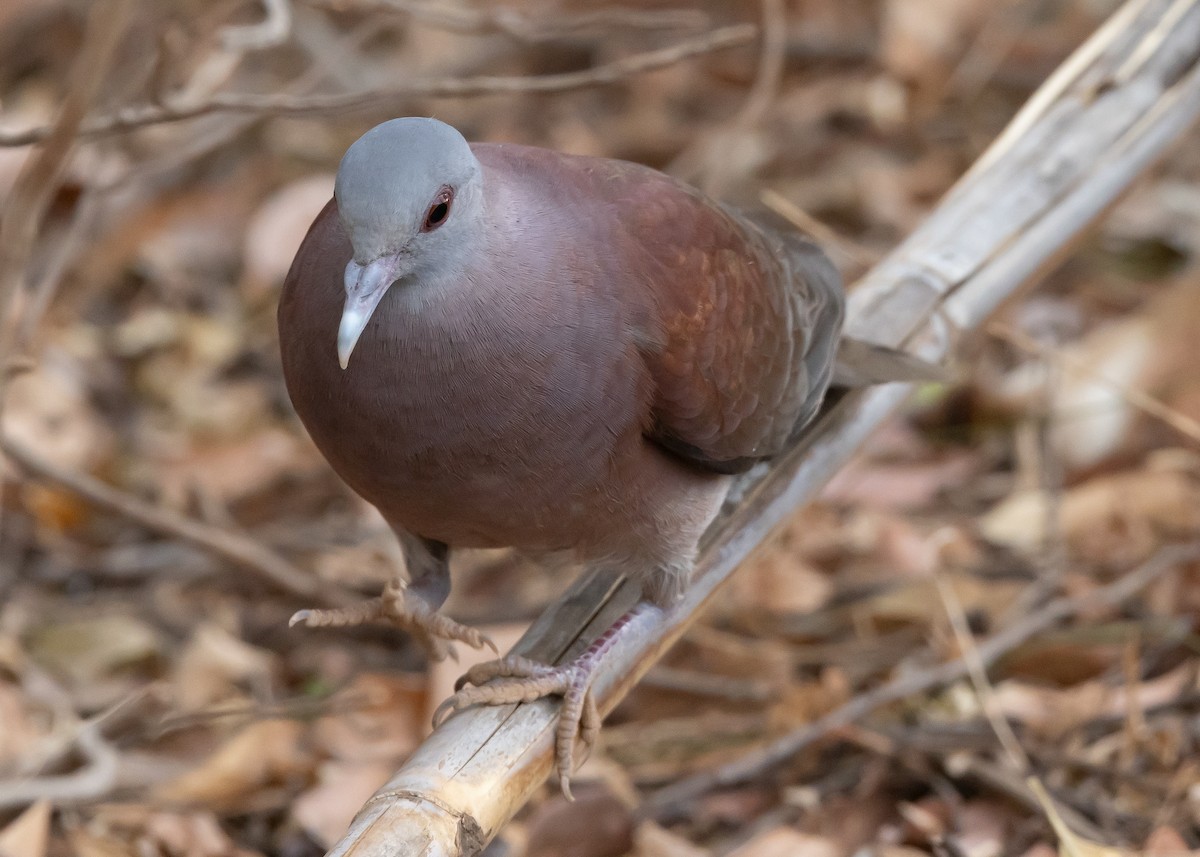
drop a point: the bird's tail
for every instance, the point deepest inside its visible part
(861, 364)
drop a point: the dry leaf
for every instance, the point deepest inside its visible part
(596, 824)
(787, 842)
(650, 840)
(378, 717)
(47, 411)
(263, 754)
(326, 809)
(278, 226)
(1114, 519)
(88, 650)
(133, 830)
(27, 834)
(1054, 712)
(212, 666)
(1093, 417)
(22, 726)
(1165, 842)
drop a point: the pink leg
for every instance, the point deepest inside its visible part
(431, 628)
(517, 679)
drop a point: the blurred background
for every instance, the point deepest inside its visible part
(163, 513)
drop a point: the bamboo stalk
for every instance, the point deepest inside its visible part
(1101, 121)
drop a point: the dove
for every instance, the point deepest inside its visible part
(499, 345)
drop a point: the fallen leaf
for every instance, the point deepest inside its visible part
(651, 840)
(212, 666)
(276, 229)
(326, 810)
(47, 411)
(1116, 520)
(28, 834)
(21, 726)
(787, 842)
(379, 717)
(262, 754)
(87, 650)
(1054, 711)
(595, 824)
(1165, 842)
(125, 830)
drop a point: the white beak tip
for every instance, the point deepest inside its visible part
(351, 328)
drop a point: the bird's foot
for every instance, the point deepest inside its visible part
(517, 679)
(431, 629)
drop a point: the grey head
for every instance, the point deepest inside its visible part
(409, 194)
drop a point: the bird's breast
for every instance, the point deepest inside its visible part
(483, 425)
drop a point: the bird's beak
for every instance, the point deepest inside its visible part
(365, 287)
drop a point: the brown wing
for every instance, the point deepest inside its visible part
(745, 325)
(736, 325)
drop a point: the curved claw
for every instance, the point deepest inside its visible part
(435, 632)
(516, 679)
(443, 711)
(300, 617)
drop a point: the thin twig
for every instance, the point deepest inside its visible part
(95, 779)
(922, 681)
(270, 31)
(26, 207)
(141, 115)
(245, 551)
(824, 234)
(483, 20)
(977, 671)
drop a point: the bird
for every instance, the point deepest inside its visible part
(500, 345)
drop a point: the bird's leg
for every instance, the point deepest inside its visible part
(410, 604)
(517, 679)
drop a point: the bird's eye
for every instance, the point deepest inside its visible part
(439, 209)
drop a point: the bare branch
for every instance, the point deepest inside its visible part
(1012, 216)
(482, 20)
(242, 550)
(94, 779)
(39, 179)
(271, 31)
(141, 115)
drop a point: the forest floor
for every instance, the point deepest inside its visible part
(162, 512)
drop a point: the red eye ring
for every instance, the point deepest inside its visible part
(439, 209)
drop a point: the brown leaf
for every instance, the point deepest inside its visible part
(213, 664)
(47, 411)
(787, 842)
(596, 824)
(1166, 842)
(1054, 711)
(1115, 520)
(87, 650)
(326, 809)
(22, 727)
(263, 754)
(27, 834)
(381, 718)
(276, 229)
(126, 830)
(650, 840)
